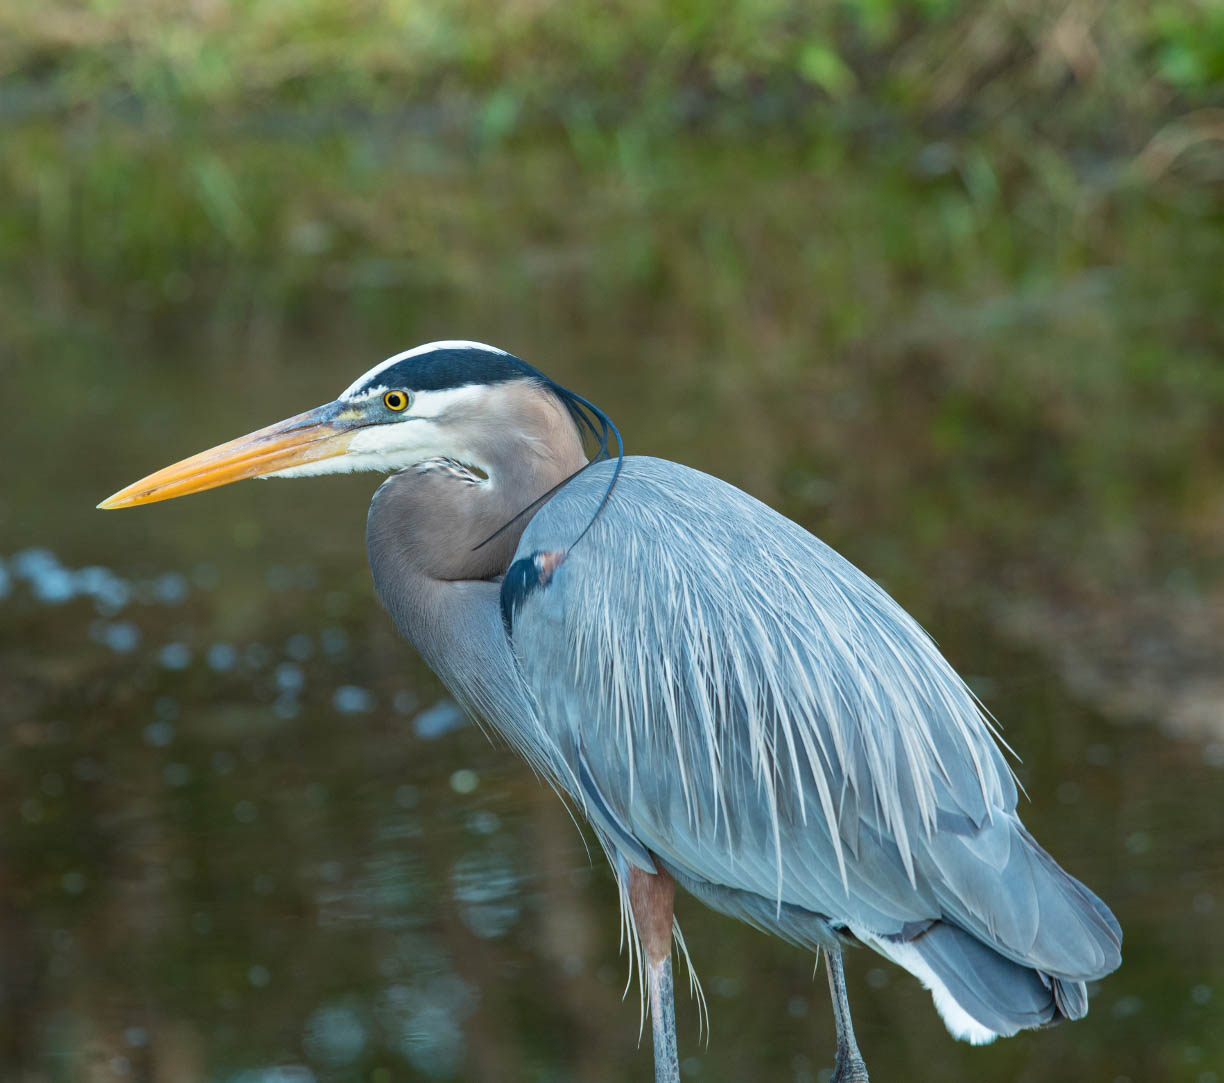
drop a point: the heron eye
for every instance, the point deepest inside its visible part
(396, 400)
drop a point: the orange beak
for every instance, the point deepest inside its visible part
(322, 433)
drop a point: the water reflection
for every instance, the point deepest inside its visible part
(52, 583)
(283, 855)
(437, 721)
(486, 885)
(336, 1034)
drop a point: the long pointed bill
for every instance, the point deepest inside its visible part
(317, 434)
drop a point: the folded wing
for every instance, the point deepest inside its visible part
(745, 705)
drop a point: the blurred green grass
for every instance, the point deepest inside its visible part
(917, 54)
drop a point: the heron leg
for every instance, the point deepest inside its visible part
(652, 898)
(663, 1022)
(849, 1066)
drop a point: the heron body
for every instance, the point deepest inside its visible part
(733, 706)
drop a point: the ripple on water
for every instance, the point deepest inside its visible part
(120, 636)
(170, 588)
(222, 657)
(483, 822)
(425, 1020)
(174, 656)
(437, 721)
(485, 884)
(289, 677)
(279, 1073)
(335, 1035)
(299, 647)
(109, 592)
(51, 583)
(47, 578)
(159, 734)
(334, 640)
(352, 699)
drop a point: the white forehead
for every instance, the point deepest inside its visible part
(416, 351)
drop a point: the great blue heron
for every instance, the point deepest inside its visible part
(733, 706)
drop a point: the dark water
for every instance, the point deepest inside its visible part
(247, 837)
(250, 839)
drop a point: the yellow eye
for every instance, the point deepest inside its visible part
(396, 400)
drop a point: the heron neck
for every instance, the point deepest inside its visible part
(435, 524)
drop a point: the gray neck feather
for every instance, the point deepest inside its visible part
(425, 524)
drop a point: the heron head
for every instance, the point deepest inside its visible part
(436, 401)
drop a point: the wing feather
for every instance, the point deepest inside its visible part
(759, 715)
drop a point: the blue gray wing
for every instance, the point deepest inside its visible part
(751, 709)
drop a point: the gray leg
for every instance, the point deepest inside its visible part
(849, 1066)
(663, 1021)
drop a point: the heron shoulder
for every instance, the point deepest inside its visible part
(648, 491)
